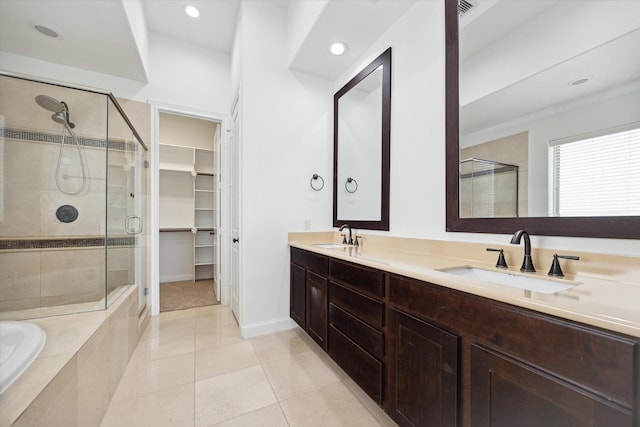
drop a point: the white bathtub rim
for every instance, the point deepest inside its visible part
(20, 361)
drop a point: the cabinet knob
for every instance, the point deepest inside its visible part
(236, 240)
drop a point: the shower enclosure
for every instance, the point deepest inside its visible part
(73, 200)
(488, 189)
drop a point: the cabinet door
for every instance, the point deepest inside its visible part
(508, 392)
(317, 308)
(298, 296)
(423, 373)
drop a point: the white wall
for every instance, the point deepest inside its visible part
(301, 16)
(286, 137)
(187, 75)
(417, 119)
(179, 74)
(418, 135)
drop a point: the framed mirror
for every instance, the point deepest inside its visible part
(361, 134)
(543, 123)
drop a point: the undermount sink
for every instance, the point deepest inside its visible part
(330, 245)
(535, 284)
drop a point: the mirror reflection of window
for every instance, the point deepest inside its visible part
(597, 175)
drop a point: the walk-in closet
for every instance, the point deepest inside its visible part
(188, 211)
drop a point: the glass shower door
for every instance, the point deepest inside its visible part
(126, 207)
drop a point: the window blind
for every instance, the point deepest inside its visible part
(596, 176)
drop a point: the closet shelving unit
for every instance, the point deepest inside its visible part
(188, 201)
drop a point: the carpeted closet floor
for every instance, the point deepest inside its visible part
(187, 294)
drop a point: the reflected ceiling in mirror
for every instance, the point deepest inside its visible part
(550, 87)
(502, 85)
(361, 148)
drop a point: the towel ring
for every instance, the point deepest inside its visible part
(315, 177)
(349, 181)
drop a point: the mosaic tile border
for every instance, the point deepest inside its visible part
(20, 244)
(55, 138)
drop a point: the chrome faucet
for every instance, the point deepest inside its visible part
(344, 238)
(527, 263)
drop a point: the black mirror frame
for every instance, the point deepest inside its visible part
(383, 224)
(616, 227)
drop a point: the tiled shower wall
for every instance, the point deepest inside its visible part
(46, 262)
(44, 278)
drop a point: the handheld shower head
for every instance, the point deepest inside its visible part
(59, 108)
(51, 104)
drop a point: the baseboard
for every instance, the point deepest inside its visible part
(176, 278)
(267, 327)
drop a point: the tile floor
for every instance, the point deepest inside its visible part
(192, 368)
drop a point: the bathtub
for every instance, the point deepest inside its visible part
(20, 344)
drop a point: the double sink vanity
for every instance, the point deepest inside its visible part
(436, 332)
(436, 335)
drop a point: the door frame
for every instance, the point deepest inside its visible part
(156, 109)
(235, 169)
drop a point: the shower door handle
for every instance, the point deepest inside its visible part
(137, 229)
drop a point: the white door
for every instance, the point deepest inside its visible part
(235, 210)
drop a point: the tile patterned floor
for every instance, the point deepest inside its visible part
(192, 368)
(186, 294)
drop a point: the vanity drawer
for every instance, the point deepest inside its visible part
(314, 262)
(363, 368)
(364, 335)
(363, 278)
(363, 307)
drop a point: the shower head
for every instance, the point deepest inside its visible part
(59, 108)
(59, 118)
(51, 104)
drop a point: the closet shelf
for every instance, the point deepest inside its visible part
(175, 168)
(188, 193)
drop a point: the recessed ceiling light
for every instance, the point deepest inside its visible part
(579, 81)
(45, 30)
(338, 48)
(192, 11)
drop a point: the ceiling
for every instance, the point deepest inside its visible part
(518, 58)
(214, 28)
(92, 33)
(358, 23)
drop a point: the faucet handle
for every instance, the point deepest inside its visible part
(356, 240)
(502, 263)
(555, 269)
(344, 239)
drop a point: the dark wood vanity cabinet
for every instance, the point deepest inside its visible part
(434, 356)
(507, 391)
(517, 367)
(356, 322)
(308, 299)
(423, 374)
